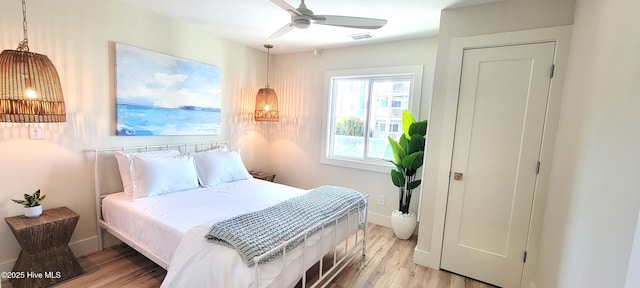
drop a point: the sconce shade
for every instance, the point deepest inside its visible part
(30, 90)
(266, 105)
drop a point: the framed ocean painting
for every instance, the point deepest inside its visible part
(158, 94)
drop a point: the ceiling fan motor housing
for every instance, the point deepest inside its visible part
(303, 21)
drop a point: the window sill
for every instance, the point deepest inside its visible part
(381, 166)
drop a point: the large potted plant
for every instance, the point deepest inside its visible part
(31, 203)
(408, 155)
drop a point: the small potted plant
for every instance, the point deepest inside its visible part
(31, 203)
(408, 154)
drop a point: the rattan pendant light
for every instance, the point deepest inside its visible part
(30, 90)
(266, 99)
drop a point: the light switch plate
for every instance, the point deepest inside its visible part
(36, 132)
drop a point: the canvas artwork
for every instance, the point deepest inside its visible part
(158, 94)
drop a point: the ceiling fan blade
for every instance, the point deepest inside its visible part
(351, 22)
(281, 31)
(287, 7)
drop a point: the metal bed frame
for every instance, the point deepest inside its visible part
(340, 242)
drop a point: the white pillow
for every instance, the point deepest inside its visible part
(162, 175)
(125, 165)
(216, 167)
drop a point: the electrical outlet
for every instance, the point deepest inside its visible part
(36, 132)
(381, 199)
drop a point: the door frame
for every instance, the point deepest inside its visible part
(561, 35)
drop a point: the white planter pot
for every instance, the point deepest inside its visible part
(403, 224)
(33, 212)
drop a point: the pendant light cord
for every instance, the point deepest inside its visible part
(268, 46)
(24, 44)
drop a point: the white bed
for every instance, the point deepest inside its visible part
(169, 229)
(168, 217)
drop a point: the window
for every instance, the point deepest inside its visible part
(364, 108)
(395, 127)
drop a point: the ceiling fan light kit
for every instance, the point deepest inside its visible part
(301, 18)
(302, 23)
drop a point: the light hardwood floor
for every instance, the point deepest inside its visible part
(388, 263)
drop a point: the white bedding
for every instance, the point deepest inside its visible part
(173, 226)
(158, 223)
(199, 263)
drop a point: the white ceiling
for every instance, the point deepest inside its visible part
(252, 21)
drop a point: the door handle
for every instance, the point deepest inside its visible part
(457, 176)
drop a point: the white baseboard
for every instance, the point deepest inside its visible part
(379, 219)
(85, 246)
(424, 258)
(79, 248)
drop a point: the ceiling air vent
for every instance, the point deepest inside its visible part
(361, 36)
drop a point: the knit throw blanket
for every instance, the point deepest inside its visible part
(256, 233)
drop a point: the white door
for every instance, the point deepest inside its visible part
(499, 128)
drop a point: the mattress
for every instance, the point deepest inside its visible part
(157, 224)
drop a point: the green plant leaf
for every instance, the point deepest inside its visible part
(417, 163)
(407, 120)
(28, 198)
(398, 166)
(419, 128)
(416, 144)
(21, 202)
(398, 151)
(413, 161)
(397, 178)
(413, 185)
(36, 195)
(404, 143)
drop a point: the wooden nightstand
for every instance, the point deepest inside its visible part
(45, 258)
(263, 175)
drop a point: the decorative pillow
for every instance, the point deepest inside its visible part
(125, 165)
(161, 175)
(215, 167)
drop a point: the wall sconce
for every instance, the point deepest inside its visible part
(266, 99)
(30, 90)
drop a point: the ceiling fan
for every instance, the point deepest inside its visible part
(302, 17)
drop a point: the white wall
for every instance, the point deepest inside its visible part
(76, 35)
(594, 195)
(294, 143)
(497, 17)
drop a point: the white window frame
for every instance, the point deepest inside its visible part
(414, 106)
